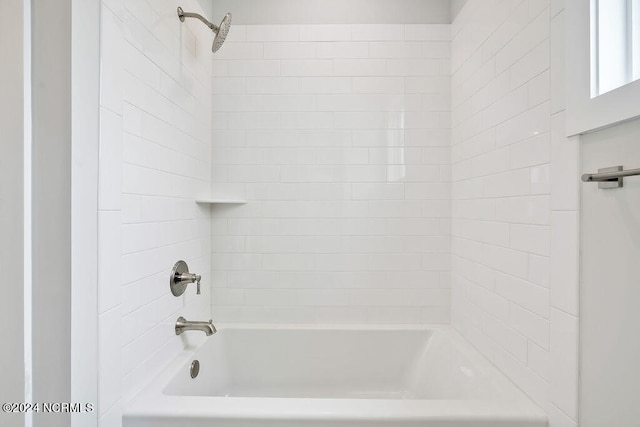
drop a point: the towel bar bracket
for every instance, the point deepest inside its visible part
(611, 182)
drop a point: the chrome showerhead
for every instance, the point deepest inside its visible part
(220, 31)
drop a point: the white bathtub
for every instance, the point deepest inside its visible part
(321, 377)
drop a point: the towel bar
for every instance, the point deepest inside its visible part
(610, 177)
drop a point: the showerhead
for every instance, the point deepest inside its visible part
(220, 31)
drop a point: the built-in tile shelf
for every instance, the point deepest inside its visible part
(220, 202)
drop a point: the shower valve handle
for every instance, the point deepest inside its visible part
(190, 278)
(180, 278)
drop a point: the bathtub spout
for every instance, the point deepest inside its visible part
(183, 324)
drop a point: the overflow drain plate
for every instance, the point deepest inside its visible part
(195, 369)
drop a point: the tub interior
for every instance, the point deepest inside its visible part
(335, 364)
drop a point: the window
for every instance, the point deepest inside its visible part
(602, 53)
(615, 44)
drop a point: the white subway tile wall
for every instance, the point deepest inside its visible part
(155, 159)
(502, 198)
(339, 138)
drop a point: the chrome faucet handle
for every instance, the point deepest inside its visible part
(180, 278)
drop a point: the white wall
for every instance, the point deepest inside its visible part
(85, 153)
(609, 315)
(297, 12)
(11, 207)
(154, 160)
(338, 137)
(609, 271)
(51, 206)
(565, 242)
(514, 277)
(456, 7)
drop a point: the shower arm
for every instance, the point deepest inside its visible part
(182, 14)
